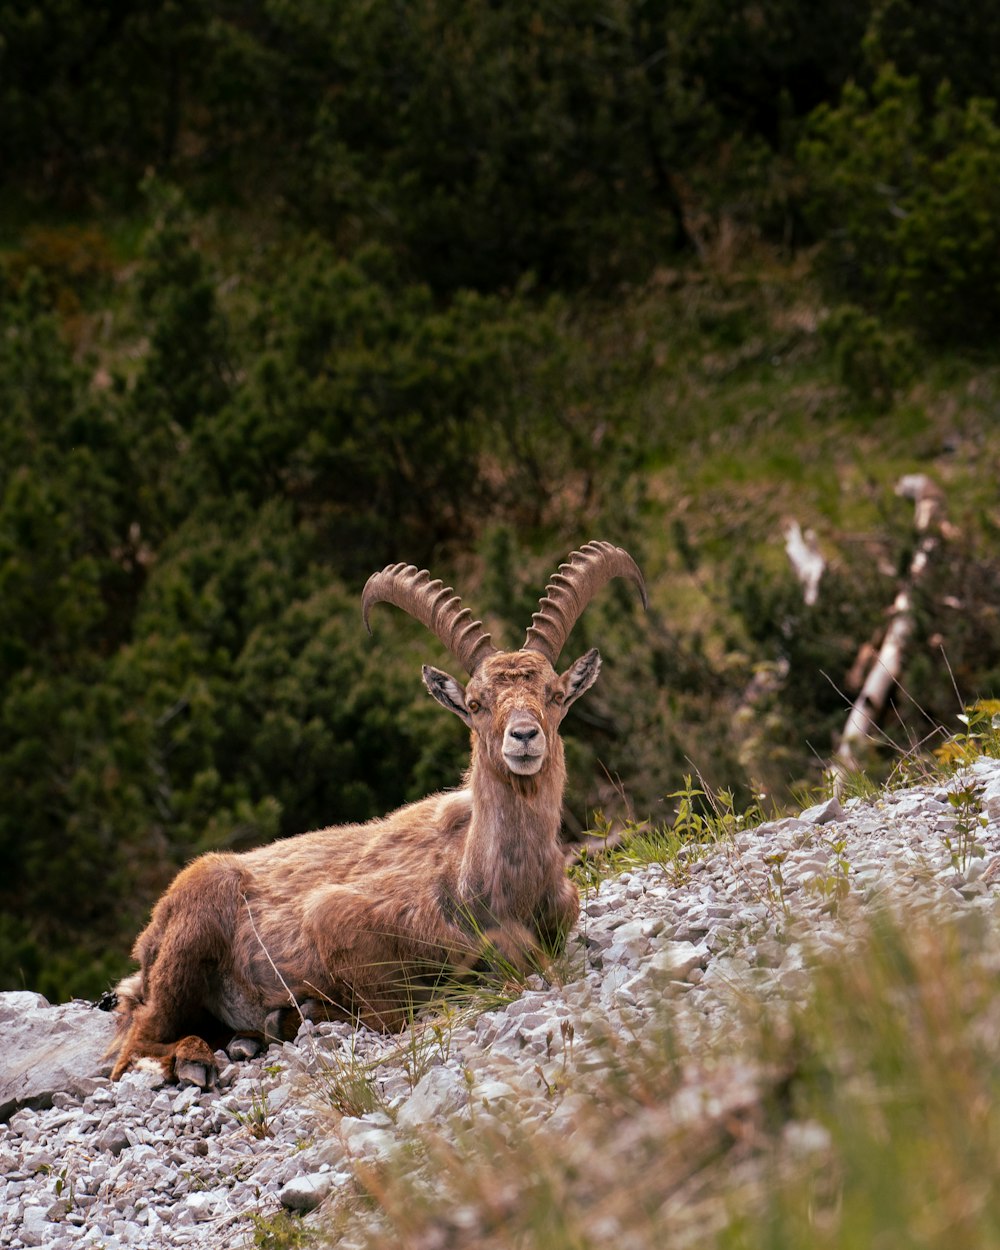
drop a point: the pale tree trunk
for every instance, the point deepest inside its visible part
(862, 722)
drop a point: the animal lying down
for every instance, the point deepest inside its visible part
(360, 922)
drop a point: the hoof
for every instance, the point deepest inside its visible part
(194, 1063)
(191, 1072)
(276, 1024)
(283, 1023)
(244, 1048)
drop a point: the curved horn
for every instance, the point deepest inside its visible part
(434, 605)
(571, 589)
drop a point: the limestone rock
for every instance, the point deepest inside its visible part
(305, 1193)
(824, 813)
(48, 1050)
(438, 1094)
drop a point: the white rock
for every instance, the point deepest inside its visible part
(437, 1095)
(824, 813)
(675, 960)
(363, 1138)
(490, 1092)
(49, 1049)
(35, 1226)
(613, 979)
(305, 1193)
(15, 1003)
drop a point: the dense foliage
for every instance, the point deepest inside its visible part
(292, 290)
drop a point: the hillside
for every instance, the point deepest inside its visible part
(772, 1036)
(480, 283)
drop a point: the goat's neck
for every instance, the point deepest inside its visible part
(512, 857)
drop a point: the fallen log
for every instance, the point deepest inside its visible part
(931, 524)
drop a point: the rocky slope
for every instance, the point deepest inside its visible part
(141, 1164)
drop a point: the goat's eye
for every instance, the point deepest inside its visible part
(474, 705)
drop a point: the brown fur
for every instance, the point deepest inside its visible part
(359, 921)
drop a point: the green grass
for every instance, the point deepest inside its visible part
(281, 1231)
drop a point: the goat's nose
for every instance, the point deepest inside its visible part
(525, 734)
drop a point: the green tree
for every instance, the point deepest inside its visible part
(69, 581)
(92, 93)
(935, 42)
(909, 202)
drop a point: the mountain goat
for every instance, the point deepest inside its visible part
(358, 922)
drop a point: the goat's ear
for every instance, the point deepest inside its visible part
(448, 692)
(580, 676)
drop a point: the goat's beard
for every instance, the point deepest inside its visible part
(525, 785)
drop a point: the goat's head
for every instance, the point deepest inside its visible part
(514, 701)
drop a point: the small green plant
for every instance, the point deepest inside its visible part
(65, 1188)
(726, 821)
(981, 735)
(553, 1083)
(672, 845)
(834, 885)
(257, 1119)
(969, 820)
(843, 783)
(428, 1043)
(591, 864)
(644, 843)
(470, 1083)
(281, 1231)
(348, 1081)
(702, 820)
(776, 881)
(689, 824)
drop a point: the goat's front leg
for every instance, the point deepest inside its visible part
(180, 950)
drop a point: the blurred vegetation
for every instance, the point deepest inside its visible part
(861, 1113)
(292, 291)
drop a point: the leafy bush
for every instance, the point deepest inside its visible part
(872, 361)
(371, 407)
(477, 141)
(909, 203)
(91, 93)
(935, 42)
(63, 482)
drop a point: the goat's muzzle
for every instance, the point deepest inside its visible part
(524, 744)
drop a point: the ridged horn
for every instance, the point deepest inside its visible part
(434, 605)
(571, 589)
